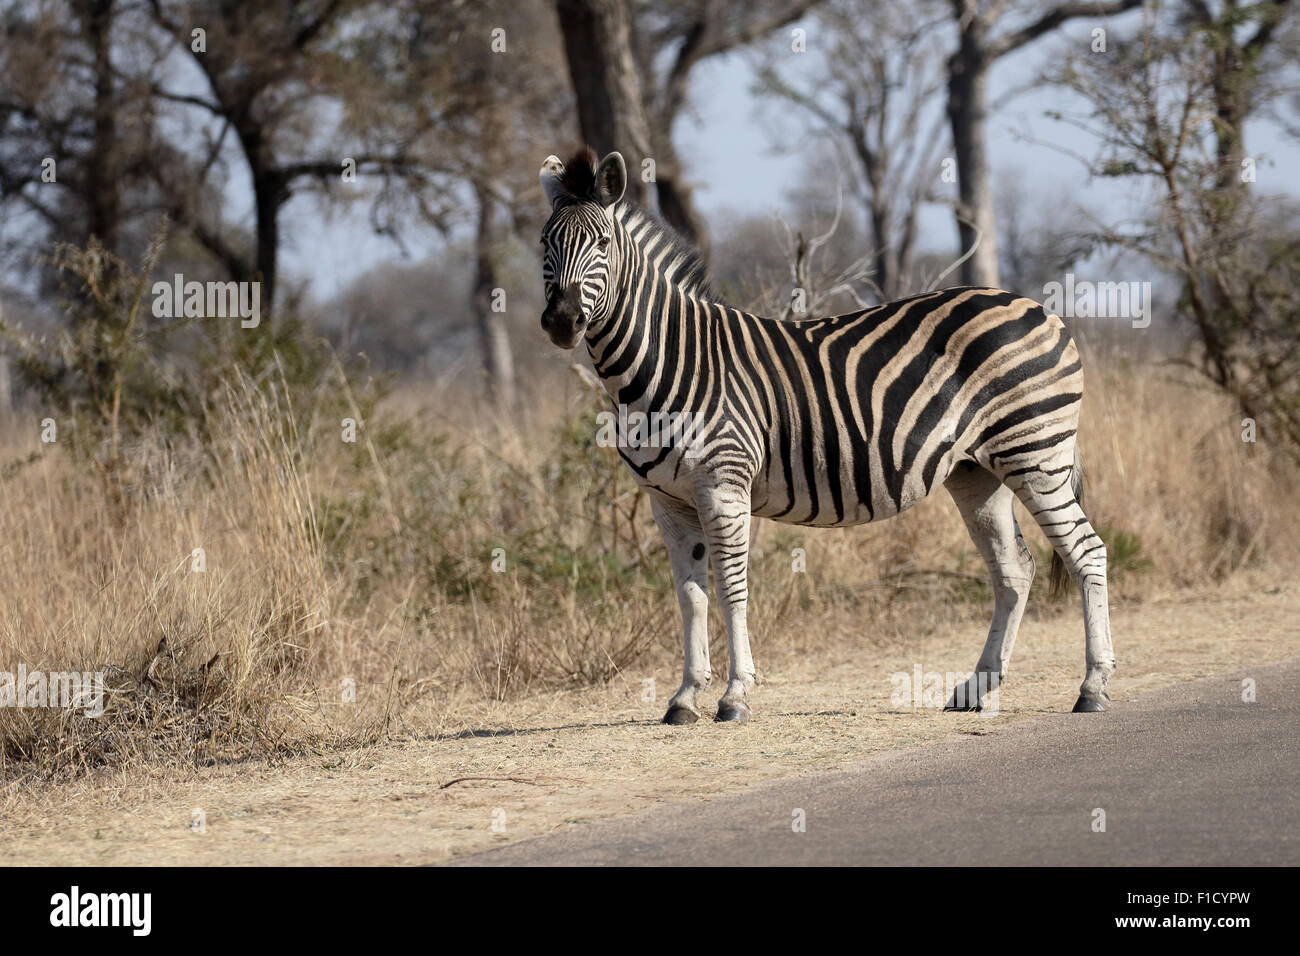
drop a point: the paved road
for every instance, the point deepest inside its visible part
(1186, 775)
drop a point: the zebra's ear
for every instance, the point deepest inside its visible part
(552, 179)
(611, 179)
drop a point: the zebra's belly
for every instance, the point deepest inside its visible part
(813, 500)
(843, 504)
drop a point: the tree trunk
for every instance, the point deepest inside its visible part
(1231, 109)
(498, 362)
(677, 207)
(611, 111)
(886, 277)
(968, 71)
(103, 195)
(269, 195)
(1233, 86)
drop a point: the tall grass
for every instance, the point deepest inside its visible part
(347, 588)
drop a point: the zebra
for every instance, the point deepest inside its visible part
(825, 422)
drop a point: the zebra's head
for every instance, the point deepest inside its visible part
(578, 247)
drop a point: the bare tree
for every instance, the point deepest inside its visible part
(694, 32)
(498, 361)
(1033, 248)
(1237, 37)
(270, 70)
(1155, 110)
(870, 99)
(72, 120)
(419, 109)
(484, 80)
(980, 45)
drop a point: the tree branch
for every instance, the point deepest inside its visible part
(1053, 19)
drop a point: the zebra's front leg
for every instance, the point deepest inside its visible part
(724, 514)
(686, 550)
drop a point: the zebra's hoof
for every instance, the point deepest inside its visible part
(1090, 705)
(953, 706)
(732, 713)
(680, 715)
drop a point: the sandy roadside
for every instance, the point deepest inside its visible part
(578, 756)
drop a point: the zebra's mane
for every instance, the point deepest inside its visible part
(681, 265)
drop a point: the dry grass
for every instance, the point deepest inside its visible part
(594, 752)
(370, 565)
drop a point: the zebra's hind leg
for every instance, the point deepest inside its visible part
(1052, 493)
(686, 550)
(986, 505)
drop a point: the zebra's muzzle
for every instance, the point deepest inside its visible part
(562, 319)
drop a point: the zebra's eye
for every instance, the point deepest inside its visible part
(603, 243)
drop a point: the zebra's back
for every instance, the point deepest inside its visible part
(859, 416)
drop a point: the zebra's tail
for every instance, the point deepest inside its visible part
(1058, 576)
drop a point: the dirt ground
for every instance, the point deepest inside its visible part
(582, 755)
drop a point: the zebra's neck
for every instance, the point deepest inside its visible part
(657, 248)
(659, 277)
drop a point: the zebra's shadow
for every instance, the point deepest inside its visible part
(530, 731)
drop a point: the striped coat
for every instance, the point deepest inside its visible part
(826, 421)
